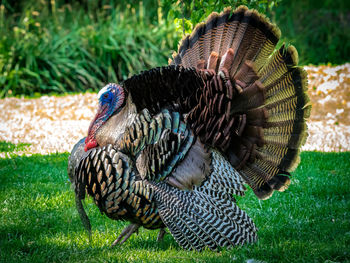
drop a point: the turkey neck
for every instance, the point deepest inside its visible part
(113, 129)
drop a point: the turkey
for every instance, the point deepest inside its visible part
(110, 177)
(228, 98)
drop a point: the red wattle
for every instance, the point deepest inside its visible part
(90, 144)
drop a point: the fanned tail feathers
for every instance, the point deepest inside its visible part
(229, 30)
(285, 131)
(264, 97)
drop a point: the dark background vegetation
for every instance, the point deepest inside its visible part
(73, 46)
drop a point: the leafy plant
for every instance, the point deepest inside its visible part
(186, 14)
(319, 29)
(73, 51)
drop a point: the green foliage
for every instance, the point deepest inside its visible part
(7, 147)
(73, 46)
(318, 29)
(39, 223)
(71, 51)
(187, 14)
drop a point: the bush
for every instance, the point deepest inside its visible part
(187, 14)
(70, 50)
(73, 46)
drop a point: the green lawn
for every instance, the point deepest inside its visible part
(38, 222)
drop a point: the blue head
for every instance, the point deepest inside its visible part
(111, 100)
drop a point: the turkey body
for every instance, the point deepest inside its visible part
(109, 175)
(173, 145)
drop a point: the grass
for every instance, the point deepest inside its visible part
(39, 223)
(7, 147)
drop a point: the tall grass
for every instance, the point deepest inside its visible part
(72, 49)
(50, 46)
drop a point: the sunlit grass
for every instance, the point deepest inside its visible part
(38, 221)
(11, 147)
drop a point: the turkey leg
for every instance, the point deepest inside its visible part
(126, 233)
(161, 234)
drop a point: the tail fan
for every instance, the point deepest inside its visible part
(263, 96)
(247, 32)
(285, 130)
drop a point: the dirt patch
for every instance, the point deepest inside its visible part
(55, 124)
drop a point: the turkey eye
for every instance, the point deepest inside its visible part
(105, 95)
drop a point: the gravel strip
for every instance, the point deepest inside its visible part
(54, 124)
(49, 124)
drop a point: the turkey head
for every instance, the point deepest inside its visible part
(115, 112)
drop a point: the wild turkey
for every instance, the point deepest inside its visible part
(226, 95)
(111, 178)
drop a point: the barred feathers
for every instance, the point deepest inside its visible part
(223, 181)
(262, 96)
(207, 215)
(198, 220)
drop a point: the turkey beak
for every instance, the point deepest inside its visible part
(96, 123)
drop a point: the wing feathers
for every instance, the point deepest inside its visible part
(197, 220)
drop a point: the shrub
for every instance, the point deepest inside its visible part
(70, 50)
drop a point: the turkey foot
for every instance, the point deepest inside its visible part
(126, 233)
(161, 234)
